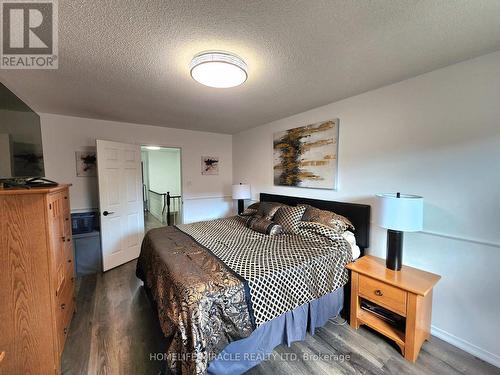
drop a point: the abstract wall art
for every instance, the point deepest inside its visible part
(209, 165)
(307, 156)
(86, 164)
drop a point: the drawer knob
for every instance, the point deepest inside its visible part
(63, 238)
(69, 260)
(379, 293)
(65, 330)
(63, 306)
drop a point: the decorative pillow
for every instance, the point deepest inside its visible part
(289, 218)
(311, 229)
(351, 240)
(248, 212)
(264, 226)
(251, 210)
(319, 228)
(267, 210)
(328, 218)
(254, 206)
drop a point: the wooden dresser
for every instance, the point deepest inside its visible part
(36, 279)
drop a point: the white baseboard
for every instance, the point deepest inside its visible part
(466, 346)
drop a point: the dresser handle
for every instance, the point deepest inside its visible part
(379, 293)
(65, 330)
(69, 260)
(63, 239)
(68, 240)
(63, 306)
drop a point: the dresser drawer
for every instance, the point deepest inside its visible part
(62, 333)
(65, 300)
(383, 294)
(68, 251)
(65, 306)
(67, 224)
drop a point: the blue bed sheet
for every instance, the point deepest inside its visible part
(241, 355)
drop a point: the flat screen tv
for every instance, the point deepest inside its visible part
(21, 153)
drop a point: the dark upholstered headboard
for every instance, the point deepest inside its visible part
(359, 214)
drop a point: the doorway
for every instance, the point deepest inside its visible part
(162, 186)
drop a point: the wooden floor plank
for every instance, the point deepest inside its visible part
(115, 331)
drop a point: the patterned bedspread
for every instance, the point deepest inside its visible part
(214, 281)
(201, 303)
(283, 271)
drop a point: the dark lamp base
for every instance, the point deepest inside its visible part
(394, 258)
(241, 206)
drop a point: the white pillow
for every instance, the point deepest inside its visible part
(349, 237)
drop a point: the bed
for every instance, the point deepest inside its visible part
(227, 295)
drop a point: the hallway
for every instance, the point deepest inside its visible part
(151, 222)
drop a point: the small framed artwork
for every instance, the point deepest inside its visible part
(307, 156)
(209, 165)
(86, 163)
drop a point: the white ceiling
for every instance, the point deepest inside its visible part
(128, 60)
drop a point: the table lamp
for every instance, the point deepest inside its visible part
(241, 192)
(399, 213)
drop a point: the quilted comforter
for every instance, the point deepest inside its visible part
(215, 281)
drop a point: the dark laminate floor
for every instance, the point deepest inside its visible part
(115, 330)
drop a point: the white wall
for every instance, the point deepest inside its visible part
(165, 170)
(205, 197)
(436, 135)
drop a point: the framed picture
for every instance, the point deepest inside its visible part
(307, 156)
(209, 165)
(86, 163)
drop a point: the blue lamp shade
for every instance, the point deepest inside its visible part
(403, 214)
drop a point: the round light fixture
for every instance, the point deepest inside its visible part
(218, 69)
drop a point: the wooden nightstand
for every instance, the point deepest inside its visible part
(407, 293)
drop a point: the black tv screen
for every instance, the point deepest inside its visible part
(21, 153)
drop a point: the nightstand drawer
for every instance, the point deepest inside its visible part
(386, 295)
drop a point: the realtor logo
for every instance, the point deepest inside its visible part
(29, 34)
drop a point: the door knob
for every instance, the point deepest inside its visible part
(106, 213)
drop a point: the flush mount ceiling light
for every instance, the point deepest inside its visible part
(218, 69)
(152, 148)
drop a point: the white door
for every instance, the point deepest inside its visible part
(120, 201)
